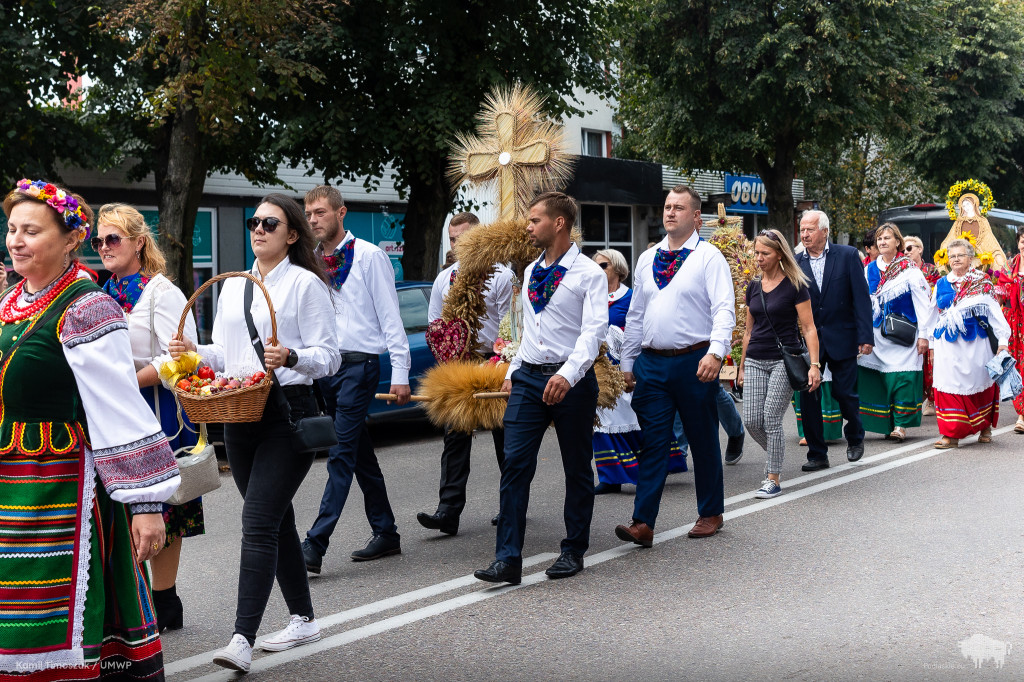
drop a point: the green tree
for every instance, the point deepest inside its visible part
(745, 85)
(976, 126)
(402, 76)
(196, 95)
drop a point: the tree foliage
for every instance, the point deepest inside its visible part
(741, 85)
(402, 76)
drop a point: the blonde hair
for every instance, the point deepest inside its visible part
(915, 241)
(617, 261)
(774, 240)
(128, 220)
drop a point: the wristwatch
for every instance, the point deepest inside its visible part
(293, 358)
(716, 356)
(816, 364)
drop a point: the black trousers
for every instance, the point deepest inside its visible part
(455, 467)
(844, 390)
(268, 473)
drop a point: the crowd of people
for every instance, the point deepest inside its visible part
(89, 460)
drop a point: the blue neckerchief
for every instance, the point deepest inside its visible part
(667, 263)
(127, 290)
(339, 264)
(544, 282)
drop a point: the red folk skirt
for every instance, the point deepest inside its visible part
(961, 415)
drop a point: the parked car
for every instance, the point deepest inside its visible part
(931, 223)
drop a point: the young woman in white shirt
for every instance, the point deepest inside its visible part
(153, 305)
(266, 468)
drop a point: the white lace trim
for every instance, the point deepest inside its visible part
(618, 428)
(898, 286)
(954, 317)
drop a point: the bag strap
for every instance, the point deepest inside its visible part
(50, 314)
(257, 344)
(764, 304)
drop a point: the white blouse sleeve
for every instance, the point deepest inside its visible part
(168, 302)
(132, 458)
(213, 353)
(320, 355)
(920, 293)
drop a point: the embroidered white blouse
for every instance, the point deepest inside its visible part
(305, 324)
(164, 301)
(571, 327)
(697, 305)
(887, 356)
(497, 298)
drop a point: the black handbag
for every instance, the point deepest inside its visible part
(899, 329)
(309, 434)
(993, 342)
(796, 359)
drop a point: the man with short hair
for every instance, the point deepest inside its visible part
(842, 316)
(497, 295)
(551, 379)
(678, 330)
(362, 282)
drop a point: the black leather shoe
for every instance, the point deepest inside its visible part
(855, 452)
(312, 557)
(377, 548)
(734, 449)
(605, 488)
(567, 565)
(815, 465)
(494, 521)
(445, 522)
(500, 572)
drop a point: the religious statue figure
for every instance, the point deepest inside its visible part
(970, 220)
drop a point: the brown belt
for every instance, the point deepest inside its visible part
(672, 352)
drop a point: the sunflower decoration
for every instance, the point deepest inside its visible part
(941, 259)
(986, 258)
(983, 192)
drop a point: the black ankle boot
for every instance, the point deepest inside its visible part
(169, 611)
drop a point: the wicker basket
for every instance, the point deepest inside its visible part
(236, 405)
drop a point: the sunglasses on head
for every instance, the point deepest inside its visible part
(111, 240)
(769, 234)
(269, 224)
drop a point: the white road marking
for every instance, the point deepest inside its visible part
(277, 659)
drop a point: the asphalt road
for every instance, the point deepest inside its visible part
(905, 566)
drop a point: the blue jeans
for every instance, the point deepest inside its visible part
(666, 386)
(348, 393)
(728, 415)
(526, 419)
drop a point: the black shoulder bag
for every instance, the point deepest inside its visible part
(309, 434)
(796, 359)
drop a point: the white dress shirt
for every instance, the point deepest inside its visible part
(497, 298)
(697, 305)
(571, 327)
(305, 324)
(366, 309)
(163, 301)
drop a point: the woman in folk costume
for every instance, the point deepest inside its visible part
(966, 398)
(617, 438)
(915, 251)
(891, 378)
(1011, 284)
(153, 306)
(84, 465)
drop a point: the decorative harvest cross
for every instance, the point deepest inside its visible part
(505, 160)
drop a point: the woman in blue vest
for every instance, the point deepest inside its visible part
(891, 378)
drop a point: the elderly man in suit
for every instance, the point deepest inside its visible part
(842, 315)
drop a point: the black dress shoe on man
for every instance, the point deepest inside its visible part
(312, 557)
(377, 548)
(501, 572)
(567, 565)
(605, 488)
(855, 452)
(815, 465)
(494, 521)
(734, 449)
(443, 521)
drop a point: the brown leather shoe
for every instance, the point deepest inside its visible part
(637, 532)
(706, 526)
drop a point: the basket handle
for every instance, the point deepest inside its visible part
(226, 275)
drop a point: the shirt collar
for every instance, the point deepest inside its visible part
(347, 238)
(274, 274)
(824, 251)
(690, 243)
(618, 293)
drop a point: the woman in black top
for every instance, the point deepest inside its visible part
(766, 389)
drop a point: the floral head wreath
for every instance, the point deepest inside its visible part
(60, 201)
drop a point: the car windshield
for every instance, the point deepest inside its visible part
(412, 303)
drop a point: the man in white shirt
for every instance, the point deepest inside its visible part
(497, 294)
(551, 379)
(678, 329)
(369, 323)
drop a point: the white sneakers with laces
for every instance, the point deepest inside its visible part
(300, 630)
(237, 655)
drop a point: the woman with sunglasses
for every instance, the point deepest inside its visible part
(778, 307)
(153, 305)
(617, 438)
(265, 467)
(890, 380)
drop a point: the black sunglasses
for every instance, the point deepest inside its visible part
(769, 234)
(269, 224)
(111, 240)
(604, 265)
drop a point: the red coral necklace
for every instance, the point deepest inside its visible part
(12, 312)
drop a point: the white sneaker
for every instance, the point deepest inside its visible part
(300, 631)
(768, 490)
(237, 655)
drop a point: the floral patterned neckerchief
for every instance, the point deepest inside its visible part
(339, 264)
(667, 264)
(544, 282)
(898, 265)
(451, 280)
(973, 284)
(126, 290)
